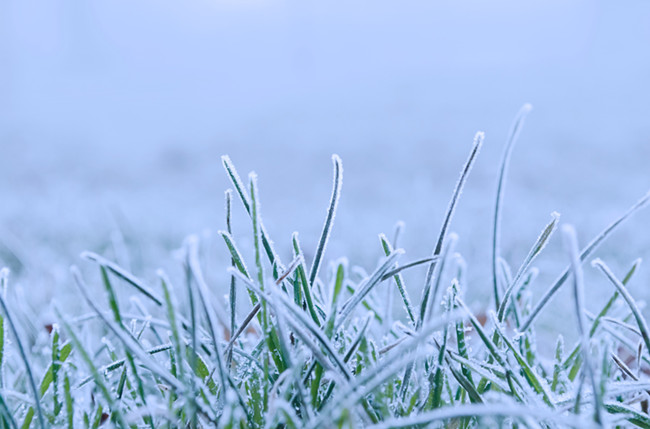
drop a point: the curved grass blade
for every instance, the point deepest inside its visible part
(331, 212)
(398, 269)
(515, 130)
(640, 320)
(478, 142)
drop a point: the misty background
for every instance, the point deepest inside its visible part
(114, 115)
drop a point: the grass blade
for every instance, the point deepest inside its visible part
(99, 381)
(571, 244)
(4, 274)
(479, 410)
(388, 249)
(331, 212)
(127, 339)
(367, 285)
(640, 320)
(124, 275)
(246, 201)
(515, 130)
(478, 142)
(537, 248)
(232, 296)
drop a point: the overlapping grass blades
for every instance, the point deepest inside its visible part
(316, 346)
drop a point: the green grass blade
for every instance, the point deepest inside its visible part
(126, 338)
(232, 296)
(399, 281)
(331, 212)
(531, 376)
(478, 142)
(430, 295)
(603, 312)
(99, 380)
(246, 200)
(69, 402)
(640, 320)
(4, 274)
(635, 417)
(5, 414)
(302, 277)
(537, 248)
(515, 130)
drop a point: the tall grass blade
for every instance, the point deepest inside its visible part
(246, 201)
(478, 142)
(515, 130)
(640, 320)
(232, 295)
(331, 212)
(571, 244)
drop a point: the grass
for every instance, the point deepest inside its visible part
(315, 347)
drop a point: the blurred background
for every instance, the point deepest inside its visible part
(114, 115)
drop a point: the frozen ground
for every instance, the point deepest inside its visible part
(113, 117)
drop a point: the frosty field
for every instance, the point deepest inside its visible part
(149, 281)
(320, 345)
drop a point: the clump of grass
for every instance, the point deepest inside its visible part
(315, 346)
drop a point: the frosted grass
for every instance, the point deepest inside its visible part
(321, 345)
